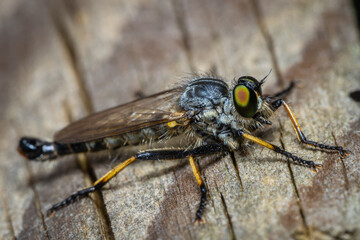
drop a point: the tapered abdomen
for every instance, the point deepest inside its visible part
(39, 150)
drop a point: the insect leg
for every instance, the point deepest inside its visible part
(298, 160)
(284, 91)
(202, 188)
(147, 155)
(276, 104)
(171, 154)
(177, 154)
(97, 185)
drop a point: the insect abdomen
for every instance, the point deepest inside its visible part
(39, 150)
(36, 149)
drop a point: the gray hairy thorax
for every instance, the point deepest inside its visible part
(210, 99)
(215, 116)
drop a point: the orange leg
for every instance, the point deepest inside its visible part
(202, 189)
(300, 161)
(97, 185)
(343, 152)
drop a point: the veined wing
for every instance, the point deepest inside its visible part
(142, 113)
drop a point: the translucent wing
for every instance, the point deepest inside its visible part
(142, 113)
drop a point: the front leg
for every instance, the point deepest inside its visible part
(310, 164)
(276, 104)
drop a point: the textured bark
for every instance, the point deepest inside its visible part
(61, 60)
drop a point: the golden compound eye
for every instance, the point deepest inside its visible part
(245, 101)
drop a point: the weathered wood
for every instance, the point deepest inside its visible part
(73, 57)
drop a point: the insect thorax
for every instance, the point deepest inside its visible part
(215, 115)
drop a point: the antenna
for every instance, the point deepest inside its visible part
(263, 80)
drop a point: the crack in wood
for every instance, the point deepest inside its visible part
(188, 204)
(281, 82)
(227, 215)
(268, 39)
(70, 48)
(97, 197)
(234, 163)
(37, 200)
(179, 12)
(356, 5)
(7, 216)
(85, 166)
(346, 179)
(298, 200)
(89, 178)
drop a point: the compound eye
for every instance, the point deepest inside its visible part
(245, 101)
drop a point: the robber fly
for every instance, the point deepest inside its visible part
(216, 119)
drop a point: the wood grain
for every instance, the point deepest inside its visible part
(61, 60)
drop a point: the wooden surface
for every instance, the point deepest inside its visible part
(61, 60)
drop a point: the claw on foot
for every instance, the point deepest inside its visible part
(344, 152)
(50, 213)
(316, 167)
(199, 221)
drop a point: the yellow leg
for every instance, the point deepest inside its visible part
(343, 152)
(113, 172)
(296, 159)
(202, 189)
(259, 141)
(195, 170)
(294, 121)
(97, 185)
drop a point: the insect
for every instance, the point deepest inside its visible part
(213, 117)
